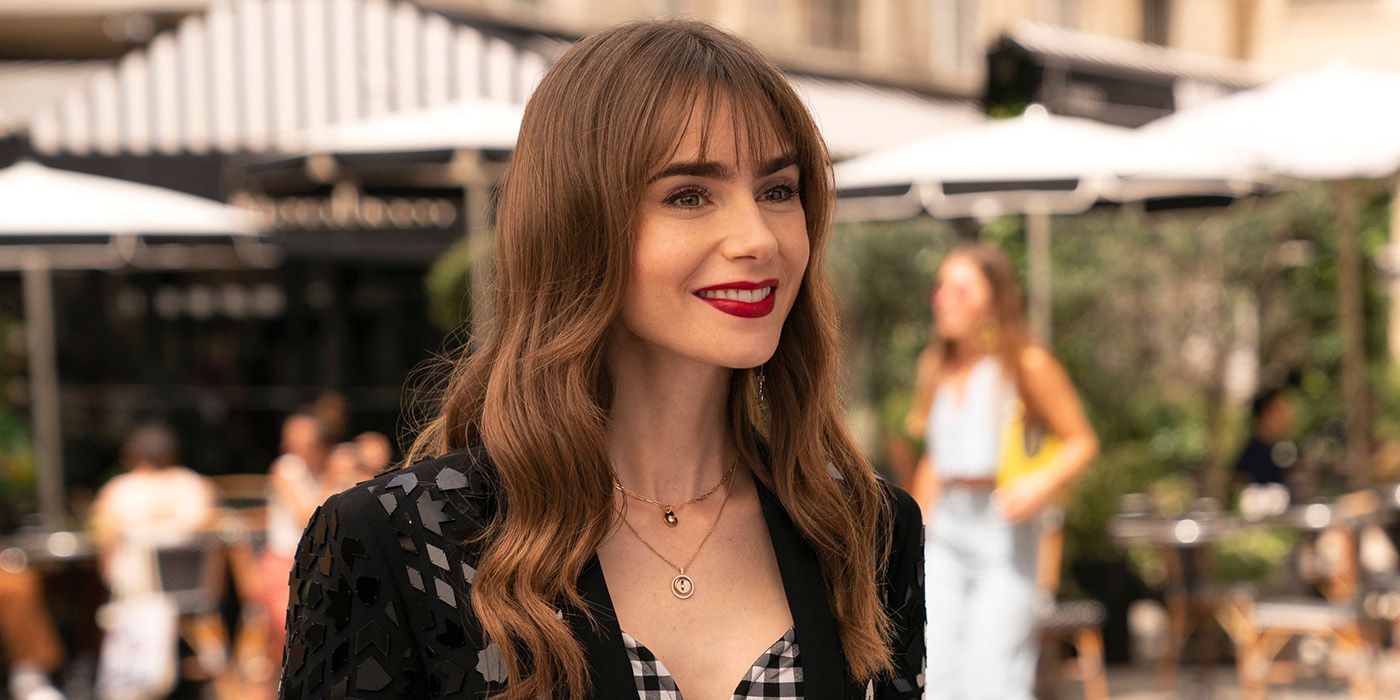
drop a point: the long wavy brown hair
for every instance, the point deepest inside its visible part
(1003, 335)
(535, 391)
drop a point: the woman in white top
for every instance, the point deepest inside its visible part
(155, 502)
(981, 551)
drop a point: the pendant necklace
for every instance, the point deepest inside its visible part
(668, 511)
(682, 586)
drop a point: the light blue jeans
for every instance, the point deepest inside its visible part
(980, 582)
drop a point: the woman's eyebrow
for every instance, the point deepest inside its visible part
(719, 171)
(775, 164)
(695, 168)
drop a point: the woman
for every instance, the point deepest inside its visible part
(978, 373)
(647, 480)
(154, 502)
(298, 480)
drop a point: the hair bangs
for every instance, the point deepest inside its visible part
(763, 126)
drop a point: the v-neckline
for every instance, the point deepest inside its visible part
(824, 672)
(664, 671)
(959, 389)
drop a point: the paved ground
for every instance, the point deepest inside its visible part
(1221, 683)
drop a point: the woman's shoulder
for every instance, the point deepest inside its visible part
(452, 495)
(905, 513)
(1035, 358)
(380, 587)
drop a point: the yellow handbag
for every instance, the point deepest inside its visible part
(1025, 446)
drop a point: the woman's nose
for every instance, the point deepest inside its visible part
(749, 234)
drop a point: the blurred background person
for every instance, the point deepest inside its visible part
(978, 371)
(27, 635)
(345, 467)
(298, 481)
(155, 501)
(29, 641)
(1268, 453)
(375, 451)
(333, 410)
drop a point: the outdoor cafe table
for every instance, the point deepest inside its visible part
(1184, 541)
(44, 548)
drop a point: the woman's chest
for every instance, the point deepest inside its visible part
(736, 612)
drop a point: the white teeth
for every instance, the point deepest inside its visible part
(749, 296)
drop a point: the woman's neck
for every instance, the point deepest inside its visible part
(963, 353)
(667, 430)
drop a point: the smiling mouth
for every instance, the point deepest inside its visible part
(748, 296)
(742, 299)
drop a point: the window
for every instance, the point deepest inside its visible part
(1156, 21)
(1067, 13)
(836, 24)
(953, 49)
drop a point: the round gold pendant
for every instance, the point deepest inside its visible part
(682, 587)
(670, 518)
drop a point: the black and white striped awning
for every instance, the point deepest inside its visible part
(254, 75)
(257, 76)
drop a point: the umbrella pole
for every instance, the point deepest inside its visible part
(1393, 332)
(476, 203)
(43, 387)
(1038, 274)
(1355, 397)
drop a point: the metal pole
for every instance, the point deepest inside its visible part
(1393, 272)
(43, 387)
(1038, 275)
(476, 209)
(1355, 397)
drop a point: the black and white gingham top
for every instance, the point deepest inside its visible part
(776, 674)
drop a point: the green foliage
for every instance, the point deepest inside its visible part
(448, 283)
(17, 463)
(1253, 555)
(1149, 309)
(882, 273)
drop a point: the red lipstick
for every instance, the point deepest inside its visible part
(742, 298)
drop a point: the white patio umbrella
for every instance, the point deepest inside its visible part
(1341, 124)
(1036, 165)
(471, 124)
(466, 127)
(48, 219)
(1335, 123)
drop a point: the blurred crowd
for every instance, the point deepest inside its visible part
(166, 541)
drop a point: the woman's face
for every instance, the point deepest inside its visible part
(721, 248)
(962, 298)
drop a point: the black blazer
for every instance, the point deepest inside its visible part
(379, 605)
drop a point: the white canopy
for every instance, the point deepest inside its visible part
(37, 200)
(54, 211)
(471, 124)
(843, 109)
(1339, 122)
(1034, 164)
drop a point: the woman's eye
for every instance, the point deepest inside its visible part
(688, 198)
(780, 193)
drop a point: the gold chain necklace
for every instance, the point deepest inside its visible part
(668, 511)
(682, 586)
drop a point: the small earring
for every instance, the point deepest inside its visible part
(762, 397)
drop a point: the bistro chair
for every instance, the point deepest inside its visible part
(191, 575)
(1078, 623)
(1267, 625)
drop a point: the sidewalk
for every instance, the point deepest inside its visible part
(1221, 683)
